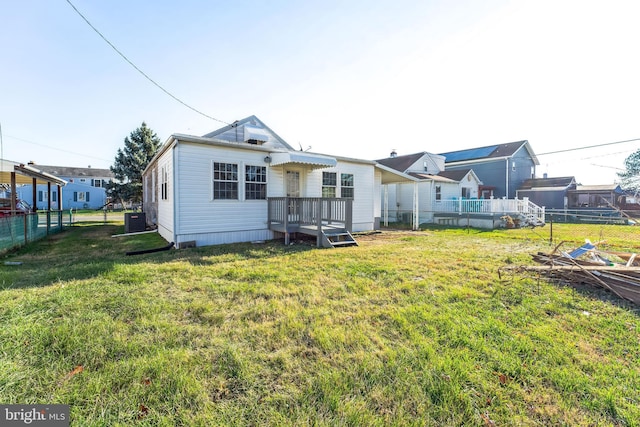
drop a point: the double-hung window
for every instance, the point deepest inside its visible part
(164, 186)
(346, 185)
(255, 182)
(329, 184)
(225, 181)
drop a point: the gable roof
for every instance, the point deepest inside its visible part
(498, 151)
(248, 128)
(401, 163)
(559, 182)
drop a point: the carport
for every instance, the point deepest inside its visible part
(14, 174)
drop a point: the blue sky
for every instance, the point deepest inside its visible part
(349, 78)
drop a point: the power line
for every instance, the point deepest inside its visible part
(140, 71)
(589, 146)
(56, 148)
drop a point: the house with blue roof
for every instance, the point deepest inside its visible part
(502, 168)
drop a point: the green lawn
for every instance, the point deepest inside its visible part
(406, 329)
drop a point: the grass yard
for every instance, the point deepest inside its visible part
(409, 328)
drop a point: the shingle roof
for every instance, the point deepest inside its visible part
(71, 171)
(559, 182)
(456, 175)
(401, 163)
(488, 152)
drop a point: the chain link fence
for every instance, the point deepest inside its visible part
(18, 230)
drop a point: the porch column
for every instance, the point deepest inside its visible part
(416, 206)
(59, 197)
(385, 215)
(34, 192)
(13, 193)
(48, 195)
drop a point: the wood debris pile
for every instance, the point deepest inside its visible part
(622, 279)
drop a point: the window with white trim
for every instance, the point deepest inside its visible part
(255, 182)
(81, 196)
(438, 192)
(164, 186)
(329, 184)
(225, 181)
(346, 185)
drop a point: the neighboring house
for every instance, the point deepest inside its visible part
(502, 168)
(85, 189)
(244, 183)
(414, 199)
(422, 192)
(552, 193)
(597, 197)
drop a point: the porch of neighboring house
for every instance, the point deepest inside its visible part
(19, 227)
(488, 213)
(479, 213)
(328, 219)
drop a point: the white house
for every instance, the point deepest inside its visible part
(244, 183)
(422, 185)
(424, 191)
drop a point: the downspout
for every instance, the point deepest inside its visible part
(433, 200)
(506, 176)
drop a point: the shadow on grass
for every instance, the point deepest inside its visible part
(89, 251)
(601, 294)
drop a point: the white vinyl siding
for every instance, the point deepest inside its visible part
(166, 225)
(213, 221)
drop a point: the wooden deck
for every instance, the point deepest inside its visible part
(314, 216)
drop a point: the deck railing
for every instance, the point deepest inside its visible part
(292, 212)
(491, 206)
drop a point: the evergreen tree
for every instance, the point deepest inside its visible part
(631, 174)
(139, 148)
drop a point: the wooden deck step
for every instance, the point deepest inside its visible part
(336, 238)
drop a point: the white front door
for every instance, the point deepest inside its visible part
(293, 184)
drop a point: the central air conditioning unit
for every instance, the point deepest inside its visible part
(135, 222)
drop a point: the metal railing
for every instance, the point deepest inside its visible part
(310, 211)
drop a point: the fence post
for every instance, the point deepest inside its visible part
(26, 236)
(551, 228)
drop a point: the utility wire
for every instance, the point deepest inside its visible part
(590, 146)
(56, 148)
(140, 71)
